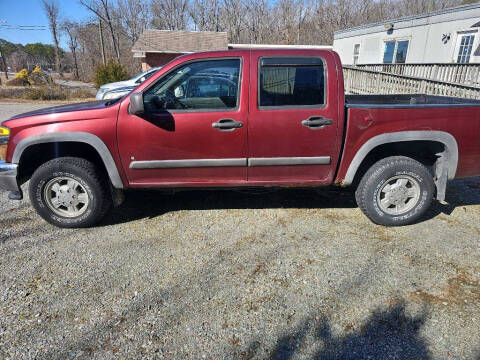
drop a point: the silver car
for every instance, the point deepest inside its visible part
(133, 82)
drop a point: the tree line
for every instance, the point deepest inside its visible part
(29, 55)
(115, 25)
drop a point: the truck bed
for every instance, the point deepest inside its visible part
(406, 101)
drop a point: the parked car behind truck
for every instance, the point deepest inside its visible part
(243, 118)
(120, 88)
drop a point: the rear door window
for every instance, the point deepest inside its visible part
(291, 82)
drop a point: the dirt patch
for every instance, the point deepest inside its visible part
(461, 289)
(455, 222)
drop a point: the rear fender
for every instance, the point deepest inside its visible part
(445, 168)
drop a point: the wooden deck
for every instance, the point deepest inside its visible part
(458, 80)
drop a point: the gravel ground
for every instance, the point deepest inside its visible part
(8, 108)
(294, 274)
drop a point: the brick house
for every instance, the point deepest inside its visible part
(158, 47)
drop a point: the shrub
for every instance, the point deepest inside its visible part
(46, 93)
(14, 93)
(40, 78)
(81, 94)
(22, 74)
(56, 93)
(37, 69)
(17, 82)
(111, 72)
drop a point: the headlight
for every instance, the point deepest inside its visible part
(4, 136)
(4, 131)
(100, 93)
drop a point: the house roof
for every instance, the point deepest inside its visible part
(170, 41)
(439, 16)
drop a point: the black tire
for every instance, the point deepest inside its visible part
(392, 169)
(91, 181)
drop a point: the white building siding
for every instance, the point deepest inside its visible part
(425, 34)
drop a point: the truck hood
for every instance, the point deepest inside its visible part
(91, 105)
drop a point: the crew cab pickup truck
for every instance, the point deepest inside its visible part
(242, 118)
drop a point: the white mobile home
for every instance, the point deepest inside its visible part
(445, 36)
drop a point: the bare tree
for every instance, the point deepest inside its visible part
(70, 29)
(232, 13)
(4, 62)
(52, 11)
(258, 21)
(134, 16)
(245, 21)
(170, 14)
(103, 9)
(205, 14)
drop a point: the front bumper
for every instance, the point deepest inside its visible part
(8, 177)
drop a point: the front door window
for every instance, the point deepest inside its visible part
(197, 86)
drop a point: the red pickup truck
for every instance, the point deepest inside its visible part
(256, 118)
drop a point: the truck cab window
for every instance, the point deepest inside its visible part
(291, 82)
(200, 85)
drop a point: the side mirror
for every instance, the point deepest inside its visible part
(136, 104)
(159, 102)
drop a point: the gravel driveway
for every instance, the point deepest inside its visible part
(294, 274)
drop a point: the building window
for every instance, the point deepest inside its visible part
(401, 53)
(389, 51)
(356, 53)
(395, 52)
(465, 49)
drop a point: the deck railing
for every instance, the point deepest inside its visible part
(465, 74)
(359, 80)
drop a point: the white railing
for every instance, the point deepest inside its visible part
(464, 74)
(359, 80)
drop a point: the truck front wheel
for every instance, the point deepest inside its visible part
(395, 191)
(70, 192)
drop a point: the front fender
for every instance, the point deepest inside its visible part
(82, 137)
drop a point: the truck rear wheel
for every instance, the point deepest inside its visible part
(395, 191)
(70, 192)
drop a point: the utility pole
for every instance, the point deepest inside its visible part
(102, 46)
(4, 62)
(2, 54)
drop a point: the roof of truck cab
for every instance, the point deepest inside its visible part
(267, 50)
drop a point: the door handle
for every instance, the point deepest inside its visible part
(227, 125)
(317, 122)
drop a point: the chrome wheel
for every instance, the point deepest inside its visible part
(398, 195)
(66, 197)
